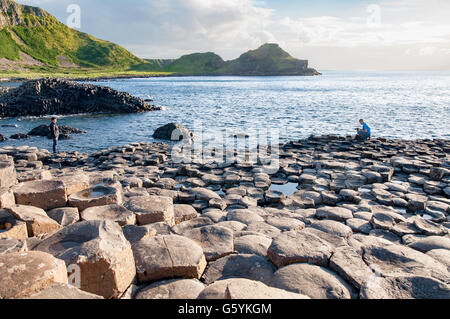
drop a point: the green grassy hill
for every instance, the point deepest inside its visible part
(52, 45)
(33, 43)
(269, 59)
(157, 64)
(197, 63)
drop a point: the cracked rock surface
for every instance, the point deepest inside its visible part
(354, 220)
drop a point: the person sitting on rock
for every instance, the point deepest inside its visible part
(364, 133)
(54, 132)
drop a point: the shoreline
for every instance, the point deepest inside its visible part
(82, 79)
(287, 140)
(4, 79)
(348, 139)
(119, 77)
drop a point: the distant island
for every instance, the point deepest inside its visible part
(269, 59)
(34, 44)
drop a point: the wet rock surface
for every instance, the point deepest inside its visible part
(358, 220)
(173, 132)
(95, 196)
(44, 131)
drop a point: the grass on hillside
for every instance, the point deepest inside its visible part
(45, 38)
(8, 48)
(81, 73)
(197, 63)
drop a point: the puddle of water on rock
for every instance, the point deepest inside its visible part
(4, 227)
(287, 189)
(221, 193)
(179, 186)
(401, 210)
(99, 185)
(427, 217)
(365, 190)
(93, 194)
(398, 182)
(68, 244)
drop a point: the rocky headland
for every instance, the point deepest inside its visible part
(268, 60)
(364, 220)
(63, 97)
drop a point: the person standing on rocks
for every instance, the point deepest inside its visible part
(364, 133)
(54, 132)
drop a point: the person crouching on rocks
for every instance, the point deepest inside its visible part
(364, 133)
(54, 132)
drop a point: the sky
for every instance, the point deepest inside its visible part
(332, 35)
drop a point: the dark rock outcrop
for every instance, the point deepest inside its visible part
(173, 132)
(55, 96)
(64, 131)
(3, 89)
(19, 136)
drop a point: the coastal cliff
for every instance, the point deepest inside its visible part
(31, 38)
(34, 41)
(268, 60)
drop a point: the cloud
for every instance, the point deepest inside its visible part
(170, 28)
(165, 28)
(427, 51)
(391, 29)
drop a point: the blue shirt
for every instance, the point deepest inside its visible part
(366, 127)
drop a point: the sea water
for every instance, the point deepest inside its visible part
(404, 105)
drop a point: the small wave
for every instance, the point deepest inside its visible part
(60, 116)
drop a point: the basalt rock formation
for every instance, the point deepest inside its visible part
(63, 97)
(44, 131)
(365, 220)
(173, 132)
